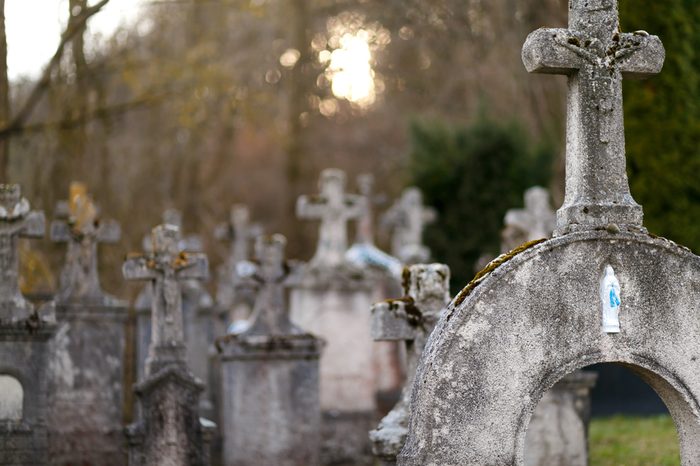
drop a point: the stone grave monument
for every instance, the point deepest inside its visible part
(410, 320)
(536, 221)
(198, 314)
(169, 429)
(87, 354)
(331, 299)
(271, 404)
(25, 333)
(407, 219)
(602, 291)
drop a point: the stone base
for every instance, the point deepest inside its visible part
(558, 431)
(345, 440)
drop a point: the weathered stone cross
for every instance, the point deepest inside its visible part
(165, 266)
(79, 225)
(16, 220)
(270, 315)
(365, 224)
(240, 232)
(335, 208)
(408, 217)
(535, 221)
(595, 56)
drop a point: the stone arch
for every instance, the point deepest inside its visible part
(11, 398)
(536, 318)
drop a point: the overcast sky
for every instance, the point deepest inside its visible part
(34, 28)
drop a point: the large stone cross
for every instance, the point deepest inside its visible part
(535, 221)
(408, 218)
(239, 231)
(78, 224)
(165, 266)
(595, 56)
(269, 273)
(334, 208)
(17, 220)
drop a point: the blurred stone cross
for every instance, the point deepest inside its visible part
(239, 231)
(535, 221)
(165, 266)
(595, 56)
(189, 243)
(334, 208)
(17, 220)
(78, 223)
(408, 218)
(269, 272)
(365, 224)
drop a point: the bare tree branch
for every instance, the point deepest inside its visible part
(73, 28)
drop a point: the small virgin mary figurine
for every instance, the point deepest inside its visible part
(610, 297)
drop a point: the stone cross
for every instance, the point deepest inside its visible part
(535, 221)
(78, 224)
(411, 320)
(165, 266)
(334, 208)
(269, 272)
(408, 218)
(189, 243)
(365, 224)
(595, 56)
(17, 220)
(240, 232)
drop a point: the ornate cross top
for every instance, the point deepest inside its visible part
(595, 56)
(240, 232)
(535, 221)
(335, 208)
(17, 220)
(269, 272)
(408, 217)
(78, 224)
(165, 266)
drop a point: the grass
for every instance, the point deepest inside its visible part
(633, 441)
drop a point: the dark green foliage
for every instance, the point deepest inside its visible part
(662, 117)
(472, 175)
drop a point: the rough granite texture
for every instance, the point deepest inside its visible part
(536, 319)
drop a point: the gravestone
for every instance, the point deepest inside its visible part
(25, 333)
(536, 221)
(271, 404)
(409, 320)
(234, 297)
(558, 430)
(407, 219)
(199, 317)
(330, 298)
(87, 353)
(169, 430)
(538, 315)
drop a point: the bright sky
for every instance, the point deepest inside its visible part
(34, 27)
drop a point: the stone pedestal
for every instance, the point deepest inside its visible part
(87, 395)
(558, 430)
(337, 310)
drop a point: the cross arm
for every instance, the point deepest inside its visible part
(357, 205)
(109, 231)
(138, 268)
(196, 266)
(60, 231)
(34, 225)
(429, 215)
(546, 51)
(640, 55)
(391, 321)
(310, 206)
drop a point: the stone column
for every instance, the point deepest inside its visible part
(169, 430)
(25, 333)
(410, 319)
(87, 355)
(270, 374)
(330, 298)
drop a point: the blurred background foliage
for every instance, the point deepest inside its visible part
(204, 103)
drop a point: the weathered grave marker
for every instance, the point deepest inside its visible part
(87, 354)
(408, 218)
(271, 406)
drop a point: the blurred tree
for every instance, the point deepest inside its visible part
(472, 175)
(4, 94)
(662, 121)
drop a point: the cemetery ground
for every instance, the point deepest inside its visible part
(633, 441)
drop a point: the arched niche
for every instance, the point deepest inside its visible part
(537, 318)
(11, 398)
